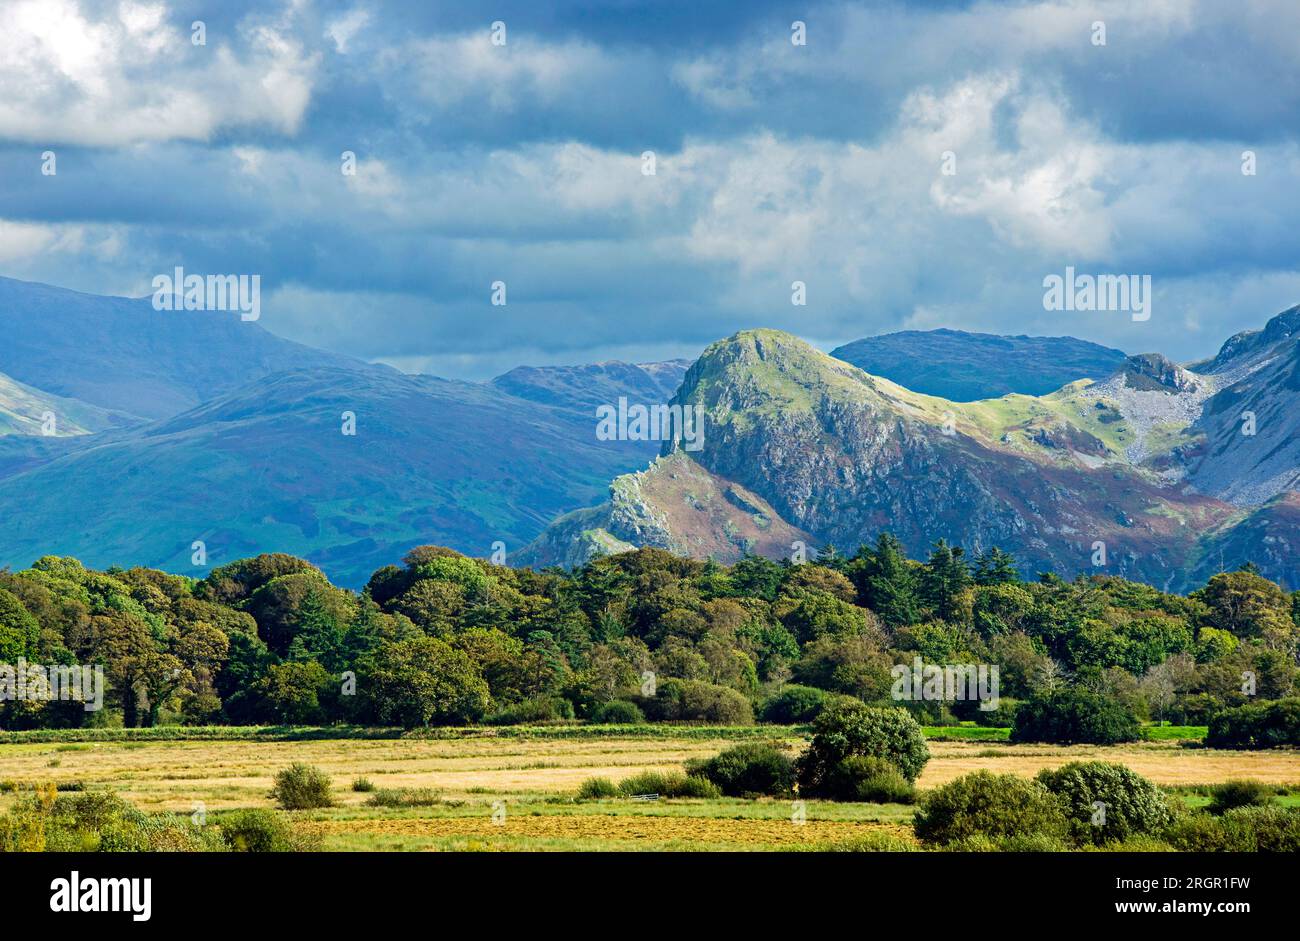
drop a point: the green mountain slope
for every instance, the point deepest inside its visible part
(267, 468)
(24, 410)
(119, 353)
(841, 455)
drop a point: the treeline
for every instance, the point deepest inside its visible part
(643, 636)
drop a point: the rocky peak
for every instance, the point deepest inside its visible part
(1152, 372)
(1248, 343)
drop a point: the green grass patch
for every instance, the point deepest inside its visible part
(1174, 733)
(965, 733)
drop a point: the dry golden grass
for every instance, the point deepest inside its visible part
(1161, 762)
(173, 775)
(601, 829)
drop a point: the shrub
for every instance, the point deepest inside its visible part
(848, 729)
(874, 841)
(751, 768)
(1004, 716)
(597, 788)
(1194, 709)
(996, 806)
(1136, 844)
(1233, 794)
(362, 785)
(302, 787)
(1256, 725)
(532, 711)
(97, 821)
(1198, 833)
(793, 704)
(1133, 805)
(101, 821)
(695, 701)
(618, 712)
(868, 779)
(1016, 843)
(668, 785)
(1241, 830)
(1074, 715)
(404, 797)
(258, 831)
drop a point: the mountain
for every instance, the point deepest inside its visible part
(576, 391)
(120, 354)
(965, 367)
(24, 410)
(1248, 434)
(267, 468)
(582, 388)
(821, 449)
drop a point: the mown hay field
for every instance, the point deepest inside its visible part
(516, 793)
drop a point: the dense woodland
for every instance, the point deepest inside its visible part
(644, 636)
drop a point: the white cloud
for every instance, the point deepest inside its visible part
(25, 242)
(132, 76)
(343, 29)
(450, 70)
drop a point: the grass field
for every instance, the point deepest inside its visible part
(515, 790)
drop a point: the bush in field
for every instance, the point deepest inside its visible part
(362, 785)
(874, 842)
(696, 701)
(868, 779)
(1242, 830)
(1133, 805)
(96, 821)
(1017, 843)
(102, 821)
(751, 768)
(259, 831)
(618, 712)
(668, 785)
(1233, 794)
(302, 787)
(1265, 829)
(793, 704)
(597, 788)
(849, 729)
(1074, 715)
(404, 797)
(1256, 725)
(982, 804)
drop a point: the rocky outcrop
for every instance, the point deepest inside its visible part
(838, 455)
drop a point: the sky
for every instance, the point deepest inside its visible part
(481, 161)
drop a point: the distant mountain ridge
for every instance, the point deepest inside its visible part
(120, 354)
(173, 428)
(583, 388)
(966, 367)
(268, 467)
(229, 435)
